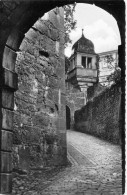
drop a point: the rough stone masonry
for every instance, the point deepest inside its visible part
(101, 116)
(39, 117)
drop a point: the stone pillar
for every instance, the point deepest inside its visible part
(121, 54)
(8, 84)
(79, 60)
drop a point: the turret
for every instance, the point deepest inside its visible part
(82, 72)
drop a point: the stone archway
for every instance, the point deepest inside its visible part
(16, 19)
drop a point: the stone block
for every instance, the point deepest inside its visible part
(5, 183)
(6, 162)
(9, 59)
(56, 20)
(61, 11)
(7, 99)
(7, 119)
(7, 140)
(53, 18)
(54, 34)
(10, 80)
(14, 40)
(23, 45)
(32, 35)
(41, 27)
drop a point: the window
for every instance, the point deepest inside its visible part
(89, 63)
(84, 61)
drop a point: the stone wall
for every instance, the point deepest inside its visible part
(94, 91)
(75, 99)
(101, 117)
(39, 135)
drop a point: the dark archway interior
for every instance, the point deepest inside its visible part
(68, 118)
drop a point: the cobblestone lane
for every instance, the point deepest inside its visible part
(96, 170)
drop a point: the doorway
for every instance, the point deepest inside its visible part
(68, 118)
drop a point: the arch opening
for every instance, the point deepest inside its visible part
(68, 118)
(11, 58)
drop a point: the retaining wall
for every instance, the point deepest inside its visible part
(101, 117)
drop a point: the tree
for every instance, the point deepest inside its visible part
(115, 76)
(69, 21)
(109, 60)
(69, 25)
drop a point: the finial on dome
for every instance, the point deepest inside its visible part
(82, 32)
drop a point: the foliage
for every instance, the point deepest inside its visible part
(109, 60)
(69, 21)
(115, 76)
(69, 25)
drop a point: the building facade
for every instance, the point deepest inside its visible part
(82, 72)
(108, 62)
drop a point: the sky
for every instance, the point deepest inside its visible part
(99, 26)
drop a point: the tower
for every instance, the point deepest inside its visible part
(82, 72)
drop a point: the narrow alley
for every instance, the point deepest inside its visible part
(96, 168)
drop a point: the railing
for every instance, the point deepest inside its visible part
(82, 72)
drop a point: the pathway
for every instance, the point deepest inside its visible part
(96, 168)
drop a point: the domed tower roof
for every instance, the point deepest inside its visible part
(84, 45)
